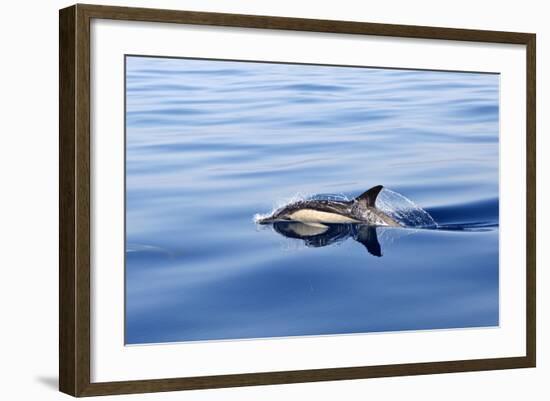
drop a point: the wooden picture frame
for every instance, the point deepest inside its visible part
(74, 202)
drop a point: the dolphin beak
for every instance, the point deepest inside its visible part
(271, 220)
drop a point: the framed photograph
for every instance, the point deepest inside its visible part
(250, 200)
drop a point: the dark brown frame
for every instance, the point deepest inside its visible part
(74, 199)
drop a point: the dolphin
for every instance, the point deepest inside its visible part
(319, 212)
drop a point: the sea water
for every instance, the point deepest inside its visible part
(210, 144)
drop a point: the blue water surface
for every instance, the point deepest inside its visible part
(209, 144)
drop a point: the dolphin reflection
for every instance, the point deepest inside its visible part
(318, 235)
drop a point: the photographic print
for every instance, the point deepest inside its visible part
(270, 199)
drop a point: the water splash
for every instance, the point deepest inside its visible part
(260, 216)
(330, 197)
(403, 210)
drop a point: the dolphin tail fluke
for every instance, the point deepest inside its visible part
(369, 197)
(367, 236)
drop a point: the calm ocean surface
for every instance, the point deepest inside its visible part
(210, 144)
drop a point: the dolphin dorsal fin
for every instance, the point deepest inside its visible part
(369, 197)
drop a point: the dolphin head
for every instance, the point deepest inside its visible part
(277, 216)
